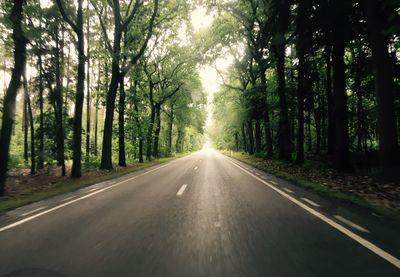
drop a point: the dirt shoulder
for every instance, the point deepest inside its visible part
(23, 188)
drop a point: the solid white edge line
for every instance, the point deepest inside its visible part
(351, 223)
(22, 221)
(310, 202)
(369, 245)
(33, 211)
(181, 190)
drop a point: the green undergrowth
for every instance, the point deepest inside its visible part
(73, 184)
(274, 167)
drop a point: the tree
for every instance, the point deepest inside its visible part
(77, 26)
(376, 13)
(20, 41)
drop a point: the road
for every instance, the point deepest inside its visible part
(201, 215)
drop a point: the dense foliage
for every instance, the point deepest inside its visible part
(311, 79)
(96, 82)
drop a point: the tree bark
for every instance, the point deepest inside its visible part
(170, 126)
(342, 159)
(88, 82)
(257, 136)
(77, 27)
(301, 17)
(267, 121)
(328, 88)
(384, 87)
(149, 138)
(244, 137)
(31, 127)
(251, 136)
(8, 115)
(121, 124)
(157, 131)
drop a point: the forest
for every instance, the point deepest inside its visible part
(105, 83)
(97, 84)
(311, 80)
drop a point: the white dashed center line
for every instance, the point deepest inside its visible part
(196, 168)
(181, 190)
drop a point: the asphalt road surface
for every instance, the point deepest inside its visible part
(201, 215)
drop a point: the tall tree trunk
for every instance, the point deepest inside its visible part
(300, 45)
(96, 112)
(25, 119)
(121, 124)
(251, 136)
(138, 124)
(106, 155)
(58, 105)
(41, 89)
(267, 121)
(384, 87)
(80, 88)
(284, 125)
(170, 126)
(328, 87)
(157, 131)
(178, 141)
(31, 127)
(257, 136)
(149, 138)
(279, 40)
(88, 82)
(8, 115)
(244, 137)
(318, 117)
(342, 159)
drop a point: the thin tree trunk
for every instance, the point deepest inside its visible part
(157, 131)
(257, 136)
(301, 17)
(88, 82)
(318, 118)
(251, 136)
(58, 106)
(150, 132)
(41, 89)
(170, 126)
(244, 137)
(25, 120)
(32, 130)
(121, 124)
(328, 87)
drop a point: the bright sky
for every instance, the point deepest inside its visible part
(209, 76)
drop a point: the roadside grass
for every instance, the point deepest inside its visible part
(71, 184)
(348, 197)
